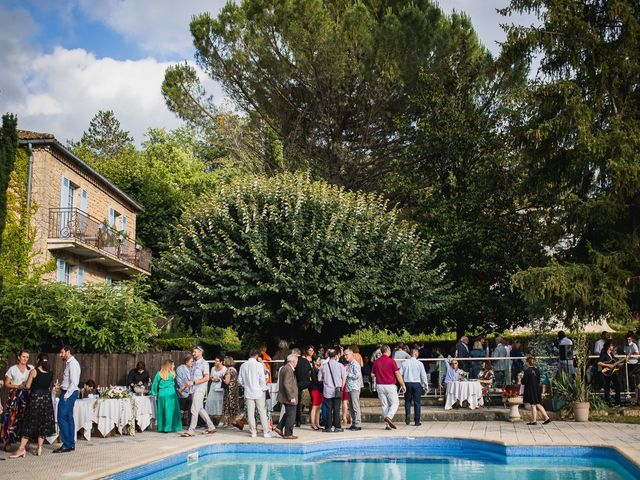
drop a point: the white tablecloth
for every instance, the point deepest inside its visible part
(109, 414)
(273, 392)
(461, 391)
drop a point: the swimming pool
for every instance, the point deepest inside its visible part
(389, 459)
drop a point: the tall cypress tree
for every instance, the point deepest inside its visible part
(8, 149)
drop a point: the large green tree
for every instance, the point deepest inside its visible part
(165, 176)
(329, 78)
(105, 138)
(297, 259)
(580, 142)
(461, 182)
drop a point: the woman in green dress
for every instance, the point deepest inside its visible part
(168, 407)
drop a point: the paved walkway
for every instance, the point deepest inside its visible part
(101, 457)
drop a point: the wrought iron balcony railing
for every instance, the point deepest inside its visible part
(75, 225)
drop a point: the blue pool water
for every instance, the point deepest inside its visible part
(389, 459)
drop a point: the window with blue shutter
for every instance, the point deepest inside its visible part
(63, 216)
(80, 276)
(112, 217)
(60, 270)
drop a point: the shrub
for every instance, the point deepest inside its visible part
(94, 318)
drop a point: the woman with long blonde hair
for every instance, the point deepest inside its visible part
(168, 408)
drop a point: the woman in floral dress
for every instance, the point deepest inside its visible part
(15, 381)
(231, 401)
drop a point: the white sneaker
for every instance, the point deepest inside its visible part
(270, 434)
(254, 434)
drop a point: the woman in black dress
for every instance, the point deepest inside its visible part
(38, 421)
(532, 393)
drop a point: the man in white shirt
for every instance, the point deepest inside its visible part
(68, 391)
(200, 372)
(415, 378)
(252, 377)
(631, 349)
(597, 346)
(565, 352)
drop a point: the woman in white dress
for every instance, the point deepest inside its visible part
(216, 392)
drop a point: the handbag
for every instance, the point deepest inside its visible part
(338, 390)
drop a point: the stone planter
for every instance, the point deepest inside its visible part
(581, 411)
(514, 413)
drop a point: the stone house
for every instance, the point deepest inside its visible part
(83, 222)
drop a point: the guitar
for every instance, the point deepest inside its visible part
(614, 367)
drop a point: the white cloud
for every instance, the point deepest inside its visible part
(59, 92)
(158, 27)
(66, 88)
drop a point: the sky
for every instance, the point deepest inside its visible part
(61, 61)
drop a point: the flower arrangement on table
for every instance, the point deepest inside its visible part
(115, 392)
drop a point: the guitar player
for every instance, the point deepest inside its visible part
(606, 362)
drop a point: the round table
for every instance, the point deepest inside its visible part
(108, 414)
(471, 391)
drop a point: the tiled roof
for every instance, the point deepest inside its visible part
(27, 135)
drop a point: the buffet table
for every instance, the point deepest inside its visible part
(110, 414)
(470, 391)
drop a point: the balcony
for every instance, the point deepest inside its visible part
(94, 241)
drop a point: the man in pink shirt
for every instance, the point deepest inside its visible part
(385, 372)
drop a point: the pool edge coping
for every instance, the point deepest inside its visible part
(195, 448)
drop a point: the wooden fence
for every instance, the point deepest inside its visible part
(108, 369)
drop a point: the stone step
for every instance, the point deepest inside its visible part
(439, 414)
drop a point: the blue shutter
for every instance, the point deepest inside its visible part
(124, 224)
(64, 193)
(108, 280)
(63, 219)
(112, 217)
(60, 270)
(83, 201)
(80, 276)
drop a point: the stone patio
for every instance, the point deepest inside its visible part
(104, 456)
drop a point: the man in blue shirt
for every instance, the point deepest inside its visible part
(415, 378)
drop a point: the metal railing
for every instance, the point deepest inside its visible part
(74, 224)
(553, 362)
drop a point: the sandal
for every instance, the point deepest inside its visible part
(187, 434)
(209, 431)
(532, 423)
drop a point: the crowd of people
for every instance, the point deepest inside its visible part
(328, 381)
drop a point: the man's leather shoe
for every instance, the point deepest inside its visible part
(290, 437)
(278, 431)
(338, 429)
(389, 422)
(355, 429)
(418, 424)
(64, 450)
(407, 420)
(326, 430)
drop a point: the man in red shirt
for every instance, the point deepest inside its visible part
(385, 373)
